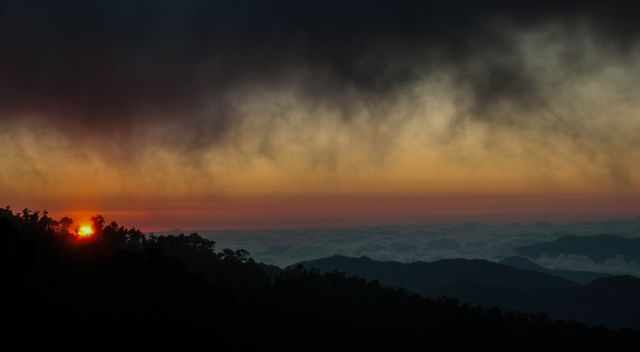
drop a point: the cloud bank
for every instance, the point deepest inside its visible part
(171, 100)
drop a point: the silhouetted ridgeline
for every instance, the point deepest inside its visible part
(579, 276)
(608, 300)
(120, 284)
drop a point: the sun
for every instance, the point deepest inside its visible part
(85, 230)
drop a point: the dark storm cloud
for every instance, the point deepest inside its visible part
(105, 65)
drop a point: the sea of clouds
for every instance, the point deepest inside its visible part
(427, 242)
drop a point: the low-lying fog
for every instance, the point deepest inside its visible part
(429, 242)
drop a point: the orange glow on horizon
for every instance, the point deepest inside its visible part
(336, 210)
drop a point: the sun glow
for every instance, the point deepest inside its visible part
(85, 230)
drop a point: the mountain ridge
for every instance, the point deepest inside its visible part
(609, 300)
(578, 276)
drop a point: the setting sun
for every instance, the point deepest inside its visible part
(85, 231)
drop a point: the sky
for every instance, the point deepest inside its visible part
(213, 114)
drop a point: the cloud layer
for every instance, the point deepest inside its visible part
(168, 100)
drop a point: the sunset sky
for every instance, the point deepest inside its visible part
(203, 114)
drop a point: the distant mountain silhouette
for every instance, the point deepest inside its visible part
(581, 277)
(522, 263)
(471, 280)
(430, 277)
(598, 248)
(608, 300)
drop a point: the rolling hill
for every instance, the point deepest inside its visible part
(610, 300)
(578, 276)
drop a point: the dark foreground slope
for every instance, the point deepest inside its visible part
(120, 285)
(611, 301)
